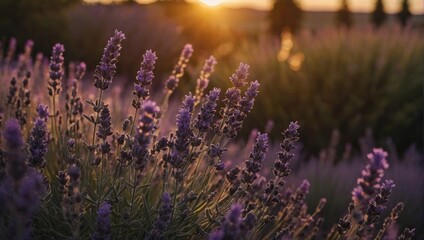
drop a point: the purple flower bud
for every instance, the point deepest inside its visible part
(246, 103)
(207, 111)
(43, 111)
(240, 75)
(164, 218)
(105, 123)
(183, 132)
(203, 80)
(12, 135)
(80, 70)
(230, 227)
(106, 69)
(37, 142)
(145, 75)
(145, 131)
(103, 226)
(291, 136)
(220, 166)
(257, 156)
(369, 183)
(188, 102)
(178, 71)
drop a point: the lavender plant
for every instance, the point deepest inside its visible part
(92, 180)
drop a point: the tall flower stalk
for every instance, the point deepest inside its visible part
(103, 76)
(144, 81)
(55, 82)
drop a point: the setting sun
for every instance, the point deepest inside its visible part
(211, 3)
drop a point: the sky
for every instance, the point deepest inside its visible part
(391, 6)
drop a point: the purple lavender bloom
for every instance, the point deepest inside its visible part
(207, 111)
(15, 159)
(257, 156)
(178, 71)
(106, 69)
(29, 193)
(80, 71)
(215, 151)
(12, 135)
(143, 136)
(146, 125)
(26, 200)
(103, 226)
(281, 165)
(216, 235)
(203, 80)
(56, 69)
(230, 227)
(163, 220)
(377, 205)
(145, 75)
(369, 183)
(183, 133)
(188, 102)
(105, 123)
(37, 142)
(43, 111)
(246, 103)
(239, 77)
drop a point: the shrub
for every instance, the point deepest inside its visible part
(96, 180)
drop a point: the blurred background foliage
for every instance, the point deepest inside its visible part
(351, 77)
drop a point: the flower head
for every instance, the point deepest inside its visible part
(107, 67)
(103, 226)
(239, 77)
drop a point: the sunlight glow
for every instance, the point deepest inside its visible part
(211, 3)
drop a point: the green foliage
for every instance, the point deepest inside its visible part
(348, 81)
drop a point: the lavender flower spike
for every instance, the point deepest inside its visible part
(105, 123)
(43, 112)
(145, 75)
(257, 156)
(205, 117)
(203, 80)
(80, 71)
(230, 227)
(103, 226)
(369, 183)
(281, 165)
(16, 166)
(246, 103)
(144, 134)
(107, 67)
(164, 218)
(239, 77)
(38, 141)
(56, 69)
(178, 71)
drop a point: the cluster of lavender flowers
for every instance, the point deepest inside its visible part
(78, 176)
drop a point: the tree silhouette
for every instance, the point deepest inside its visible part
(286, 14)
(344, 16)
(404, 15)
(378, 16)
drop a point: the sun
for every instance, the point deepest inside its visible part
(211, 3)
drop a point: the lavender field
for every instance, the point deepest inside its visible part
(245, 135)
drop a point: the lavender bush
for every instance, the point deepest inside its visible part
(79, 170)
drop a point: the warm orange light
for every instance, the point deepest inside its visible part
(211, 3)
